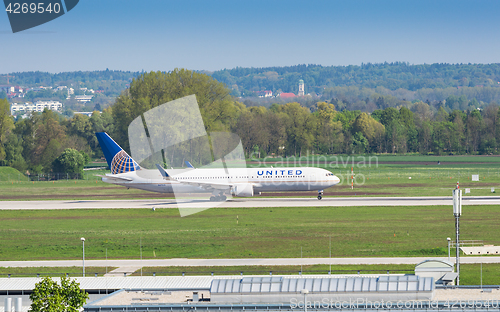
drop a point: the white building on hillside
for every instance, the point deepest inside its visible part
(83, 98)
(38, 106)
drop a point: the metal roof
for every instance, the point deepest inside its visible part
(138, 282)
(410, 283)
(434, 264)
(135, 282)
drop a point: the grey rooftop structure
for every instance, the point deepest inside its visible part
(284, 289)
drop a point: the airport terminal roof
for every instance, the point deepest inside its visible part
(254, 285)
(135, 282)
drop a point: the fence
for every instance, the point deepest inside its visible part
(52, 176)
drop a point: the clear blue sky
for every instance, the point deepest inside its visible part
(211, 35)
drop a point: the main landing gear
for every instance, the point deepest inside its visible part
(218, 197)
(320, 194)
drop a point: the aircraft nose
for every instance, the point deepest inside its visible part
(335, 179)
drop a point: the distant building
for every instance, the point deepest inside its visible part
(301, 87)
(285, 95)
(7, 88)
(84, 113)
(52, 105)
(266, 93)
(38, 106)
(83, 98)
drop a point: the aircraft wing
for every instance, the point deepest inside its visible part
(209, 186)
(115, 179)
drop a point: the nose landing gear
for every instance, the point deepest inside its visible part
(320, 194)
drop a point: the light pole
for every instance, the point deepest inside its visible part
(457, 212)
(305, 292)
(449, 240)
(83, 250)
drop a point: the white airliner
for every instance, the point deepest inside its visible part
(236, 181)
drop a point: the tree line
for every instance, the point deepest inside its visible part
(37, 143)
(291, 129)
(392, 76)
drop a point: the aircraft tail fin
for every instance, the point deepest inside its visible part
(188, 164)
(118, 160)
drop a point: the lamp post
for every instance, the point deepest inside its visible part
(305, 292)
(449, 240)
(83, 250)
(457, 211)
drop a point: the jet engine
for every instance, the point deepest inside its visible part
(243, 190)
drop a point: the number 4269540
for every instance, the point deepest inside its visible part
(20, 8)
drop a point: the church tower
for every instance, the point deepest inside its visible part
(301, 87)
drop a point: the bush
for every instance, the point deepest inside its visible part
(71, 161)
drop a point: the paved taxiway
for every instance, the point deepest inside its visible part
(249, 202)
(242, 203)
(238, 262)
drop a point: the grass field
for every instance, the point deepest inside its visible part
(259, 233)
(53, 271)
(432, 182)
(384, 175)
(276, 232)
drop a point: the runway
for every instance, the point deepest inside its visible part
(254, 202)
(239, 262)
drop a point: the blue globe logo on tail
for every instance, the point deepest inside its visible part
(122, 163)
(118, 160)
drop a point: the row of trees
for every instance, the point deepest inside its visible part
(291, 129)
(37, 142)
(393, 76)
(48, 141)
(109, 80)
(367, 99)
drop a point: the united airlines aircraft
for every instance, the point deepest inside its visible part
(244, 182)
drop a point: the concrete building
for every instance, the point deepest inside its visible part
(481, 250)
(83, 98)
(265, 94)
(38, 106)
(261, 293)
(441, 270)
(7, 88)
(89, 114)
